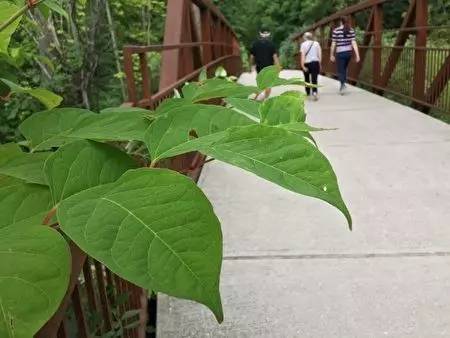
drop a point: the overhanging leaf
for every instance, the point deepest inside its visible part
(46, 97)
(270, 77)
(124, 110)
(282, 109)
(220, 88)
(8, 9)
(176, 126)
(53, 128)
(34, 276)
(22, 204)
(83, 164)
(26, 166)
(189, 90)
(153, 227)
(55, 7)
(250, 107)
(285, 158)
(113, 127)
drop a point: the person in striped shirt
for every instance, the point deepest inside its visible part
(343, 44)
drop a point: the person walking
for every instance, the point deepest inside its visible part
(343, 44)
(310, 60)
(264, 54)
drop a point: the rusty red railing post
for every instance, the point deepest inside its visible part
(420, 53)
(206, 35)
(377, 43)
(171, 65)
(129, 75)
(146, 80)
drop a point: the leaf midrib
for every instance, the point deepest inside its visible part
(164, 242)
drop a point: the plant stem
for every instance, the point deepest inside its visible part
(18, 14)
(49, 216)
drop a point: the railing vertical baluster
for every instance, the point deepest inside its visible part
(206, 36)
(129, 74)
(420, 52)
(79, 313)
(377, 43)
(103, 297)
(146, 80)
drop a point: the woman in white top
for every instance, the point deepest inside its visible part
(310, 61)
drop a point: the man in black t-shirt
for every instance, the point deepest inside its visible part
(264, 53)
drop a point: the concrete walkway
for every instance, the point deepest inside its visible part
(292, 269)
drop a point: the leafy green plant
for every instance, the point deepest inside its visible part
(74, 177)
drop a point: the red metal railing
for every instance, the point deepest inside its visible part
(197, 36)
(409, 68)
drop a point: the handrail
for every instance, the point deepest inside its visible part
(418, 73)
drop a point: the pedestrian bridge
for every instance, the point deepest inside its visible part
(292, 269)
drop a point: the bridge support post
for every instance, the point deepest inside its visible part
(420, 54)
(377, 43)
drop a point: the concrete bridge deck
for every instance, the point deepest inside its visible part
(291, 267)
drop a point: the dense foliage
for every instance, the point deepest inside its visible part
(151, 226)
(74, 51)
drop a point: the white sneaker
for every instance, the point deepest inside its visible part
(342, 89)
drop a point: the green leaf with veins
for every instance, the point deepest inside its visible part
(170, 104)
(282, 110)
(220, 88)
(289, 159)
(153, 227)
(113, 127)
(26, 166)
(22, 204)
(50, 128)
(34, 277)
(270, 77)
(189, 90)
(124, 110)
(182, 124)
(82, 165)
(46, 97)
(53, 128)
(8, 10)
(249, 107)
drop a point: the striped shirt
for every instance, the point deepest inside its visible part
(343, 41)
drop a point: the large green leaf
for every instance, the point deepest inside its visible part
(22, 204)
(84, 164)
(289, 159)
(124, 110)
(270, 77)
(8, 9)
(46, 97)
(169, 104)
(26, 166)
(250, 107)
(55, 7)
(178, 125)
(53, 128)
(282, 109)
(220, 88)
(189, 90)
(153, 227)
(34, 276)
(113, 127)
